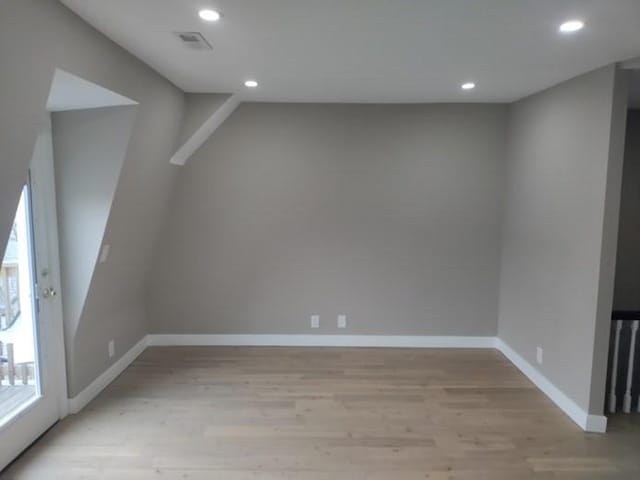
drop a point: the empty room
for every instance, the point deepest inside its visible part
(320, 239)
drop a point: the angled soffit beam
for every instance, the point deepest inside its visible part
(204, 114)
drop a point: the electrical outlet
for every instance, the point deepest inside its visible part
(342, 321)
(104, 254)
(315, 321)
(112, 348)
(539, 353)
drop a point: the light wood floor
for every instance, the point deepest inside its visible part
(326, 414)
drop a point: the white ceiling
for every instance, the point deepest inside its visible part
(372, 50)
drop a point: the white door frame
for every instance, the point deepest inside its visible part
(45, 206)
(40, 414)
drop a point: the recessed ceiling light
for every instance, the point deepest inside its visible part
(571, 26)
(209, 15)
(251, 84)
(468, 86)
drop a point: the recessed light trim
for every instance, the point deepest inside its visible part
(209, 15)
(571, 26)
(468, 86)
(251, 84)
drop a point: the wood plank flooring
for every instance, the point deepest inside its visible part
(326, 413)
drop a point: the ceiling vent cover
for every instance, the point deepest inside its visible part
(194, 40)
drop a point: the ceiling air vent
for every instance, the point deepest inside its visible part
(194, 40)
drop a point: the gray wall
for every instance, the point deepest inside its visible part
(557, 253)
(627, 291)
(89, 150)
(388, 214)
(56, 38)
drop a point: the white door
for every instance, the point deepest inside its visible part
(32, 369)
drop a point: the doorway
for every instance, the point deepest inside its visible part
(32, 368)
(623, 376)
(32, 325)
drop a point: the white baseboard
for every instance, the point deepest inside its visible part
(393, 341)
(589, 423)
(78, 402)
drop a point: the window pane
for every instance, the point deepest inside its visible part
(18, 355)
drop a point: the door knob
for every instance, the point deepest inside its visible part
(49, 292)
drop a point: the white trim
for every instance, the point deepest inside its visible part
(50, 317)
(78, 402)
(205, 131)
(394, 341)
(595, 423)
(589, 423)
